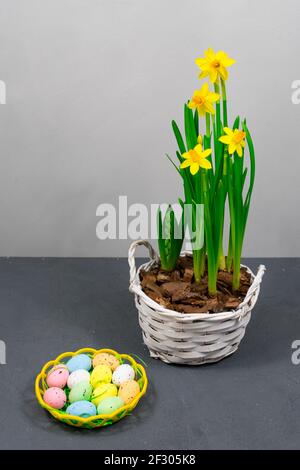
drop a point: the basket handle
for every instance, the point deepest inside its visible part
(257, 280)
(255, 286)
(131, 259)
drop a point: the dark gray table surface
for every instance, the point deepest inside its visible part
(250, 400)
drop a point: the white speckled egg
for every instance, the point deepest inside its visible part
(80, 375)
(123, 373)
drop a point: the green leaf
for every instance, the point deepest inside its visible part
(175, 166)
(244, 176)
(196, 121)
(160, 241)
(236, 123)
(187, 177)
(178, 155)
(178, 137)
(252, 157)
(168, 243)
(252, 171)
(189, 127)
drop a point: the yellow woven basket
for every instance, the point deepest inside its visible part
(98, 420)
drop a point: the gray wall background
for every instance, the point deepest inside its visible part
(92, 86)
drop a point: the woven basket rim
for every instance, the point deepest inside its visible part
(255, 284)
(59, 415)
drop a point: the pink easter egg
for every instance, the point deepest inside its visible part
(58, 376)
(55, 397)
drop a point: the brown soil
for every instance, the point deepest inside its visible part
(177, 290)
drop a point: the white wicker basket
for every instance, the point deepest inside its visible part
(195, 338)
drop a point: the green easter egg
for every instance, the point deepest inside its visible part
(80, 391)
(109, 405)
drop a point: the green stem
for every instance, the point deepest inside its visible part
(238, 208)
(202, 262)
(207, 121)
(221, 257)
(236, 270)
(211, 259)
(221, 213)
(229, 253)
(198, 254)
(207, 143)
(224, 99)
(236, 219)
(233, 223)
(197, 264)
(218, 110)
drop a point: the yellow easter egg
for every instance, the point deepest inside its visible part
(106, 359)
(101, 375)
(103, 391)
(128, 391)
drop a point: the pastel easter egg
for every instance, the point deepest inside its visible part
(80, 392)
(100, 375)
(55, 397)
(128, 391)
(123, 373)
(109, 405)
(106, 359)
(81, 361)
(80, 375)
(103, 391)
(83, 409)
(58, 376)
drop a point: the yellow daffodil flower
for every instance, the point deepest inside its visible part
(203, 100)
(235, 139)
(214, 65)
(196, 159)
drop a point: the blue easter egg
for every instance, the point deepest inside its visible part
(81, 361)
(83, 409)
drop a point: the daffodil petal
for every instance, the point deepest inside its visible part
(198, 149)
(223, 72)
(206, 153)
(209, 53)
(200, 62)
(228, 131)
(185, 164)
(199, 139)
(186, 155)
(194, 168)
(231, 148)
(204, 90)
(205, 164)
(203, 74)
(209, 108)
(225, 139)
(225, 59)
(228, 62)
(213, 75)
(213, 97)
(201, 110)
(239, 150)
(197, 93)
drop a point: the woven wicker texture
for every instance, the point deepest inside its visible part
(191, 339)
(94, 421)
